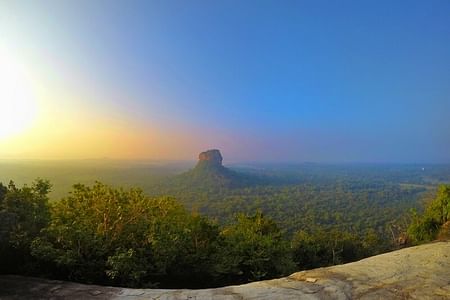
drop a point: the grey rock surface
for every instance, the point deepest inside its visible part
(213, 157)
(421, 272)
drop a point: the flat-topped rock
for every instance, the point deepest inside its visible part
(421, 272)
(213, 157)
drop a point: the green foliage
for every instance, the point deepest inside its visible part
(127, 267)
(437, 213)
(439, 209)
(23, 214)
(324, 247)
(88, 226)
(355, 205)
(106, 235)
(320, 248)
(254, 249)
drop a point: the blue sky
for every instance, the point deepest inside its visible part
(325, 81)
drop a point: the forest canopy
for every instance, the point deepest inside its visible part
(115, 236)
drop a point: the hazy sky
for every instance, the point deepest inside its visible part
(324, 81)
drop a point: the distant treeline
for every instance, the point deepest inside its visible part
(104, 235)
(350, 198)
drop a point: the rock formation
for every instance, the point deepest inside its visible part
(211, 156)
(421, 272)
(209, 170)
(210, 174)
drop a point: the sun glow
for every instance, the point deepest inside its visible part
(18, 106)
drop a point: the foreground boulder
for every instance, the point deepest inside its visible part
(421, 272)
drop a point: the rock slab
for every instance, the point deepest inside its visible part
(421, 272)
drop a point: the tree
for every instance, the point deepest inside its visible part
(325, 247)
(91, 225)
(426, 227)
(100, 234)
(254, 249)
(24, 212)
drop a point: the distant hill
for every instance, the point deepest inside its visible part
(210, 174)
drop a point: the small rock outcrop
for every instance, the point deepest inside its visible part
(421, 272)
(211, 157)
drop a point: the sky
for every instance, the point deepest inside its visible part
(315, 81)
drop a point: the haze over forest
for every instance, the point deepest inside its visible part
(197, 144)
(318, 81)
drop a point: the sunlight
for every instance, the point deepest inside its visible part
(17, 102)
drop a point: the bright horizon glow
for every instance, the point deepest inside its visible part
(316, 81)
(18, 107)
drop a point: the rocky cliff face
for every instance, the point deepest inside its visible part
(421, 272)
(209, 172)
(210, 160)
(212, 157)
